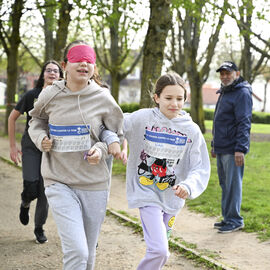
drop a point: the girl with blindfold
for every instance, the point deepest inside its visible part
(74, 167)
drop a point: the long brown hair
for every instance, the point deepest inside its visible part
(40, 81)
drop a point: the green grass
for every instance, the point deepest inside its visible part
(256, 190)
(255, 128)
(256, 186)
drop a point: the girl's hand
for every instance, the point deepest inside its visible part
(124, 156)
(124, 151)
(93, 156)
(115, 150)
(46, 144)
(180, 191)
(15, 155)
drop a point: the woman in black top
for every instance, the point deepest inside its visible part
(31, 157)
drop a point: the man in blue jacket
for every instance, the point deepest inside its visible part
(231, 137)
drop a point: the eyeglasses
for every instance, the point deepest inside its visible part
(50, 70)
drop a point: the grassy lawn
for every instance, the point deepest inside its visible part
(256, 190)
(255, 128)
(256, 186)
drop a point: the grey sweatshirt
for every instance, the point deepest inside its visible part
(163, 153)
(74, 121)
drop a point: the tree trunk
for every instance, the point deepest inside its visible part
(153, 54)
(114, 51)
(62, 31)
(246, 61)
(196, 105)
(48, 30)
(265, 95)
(115, 85)
(12, 58)
(12, 80)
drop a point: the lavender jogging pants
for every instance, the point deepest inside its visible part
(156, 228)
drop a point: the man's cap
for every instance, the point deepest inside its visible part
(227, 65)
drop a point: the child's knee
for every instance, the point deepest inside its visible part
(160, 252)
(76, 256)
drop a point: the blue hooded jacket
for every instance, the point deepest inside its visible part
(232, 118)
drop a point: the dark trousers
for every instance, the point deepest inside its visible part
(33, 186)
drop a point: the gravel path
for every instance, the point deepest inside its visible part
(119, 247)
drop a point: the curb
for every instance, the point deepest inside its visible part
(176, 246)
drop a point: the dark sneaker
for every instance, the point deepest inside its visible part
(24, 215)
(228, 228)
(40, 236)
(220, 224)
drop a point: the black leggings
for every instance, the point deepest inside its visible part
(33, 186)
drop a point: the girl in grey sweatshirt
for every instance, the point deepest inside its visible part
(168, 162)
(65, 126)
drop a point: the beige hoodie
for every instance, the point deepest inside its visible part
(62, 109)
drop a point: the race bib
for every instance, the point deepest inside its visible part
(164, 145)
(70, 138)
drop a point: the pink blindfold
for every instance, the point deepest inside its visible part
(81, 53)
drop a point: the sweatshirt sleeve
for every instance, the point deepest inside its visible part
(127, 128)
(113, 119)
(108, 136)
(102, 148)
(199, 169)
(38, 125)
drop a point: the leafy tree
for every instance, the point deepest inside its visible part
(256, 50)
(187, 55)
(56, 17)
(10, 19)
(153, 52)
(114, 25)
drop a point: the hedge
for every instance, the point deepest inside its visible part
(257, 117)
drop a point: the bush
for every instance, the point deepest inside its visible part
(130, 107)
(261, 117)
(257, 117)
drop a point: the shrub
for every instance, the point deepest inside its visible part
(130, 107)
(257, 117)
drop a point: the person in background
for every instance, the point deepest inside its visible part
(231, 138)
(33, 187)
(74, 168)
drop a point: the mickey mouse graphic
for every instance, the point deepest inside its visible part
(155, 173)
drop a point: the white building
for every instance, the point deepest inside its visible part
(2, 93)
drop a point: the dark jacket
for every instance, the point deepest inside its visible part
(232, 118)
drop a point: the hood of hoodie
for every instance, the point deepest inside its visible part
(92, 86)
(183, 118)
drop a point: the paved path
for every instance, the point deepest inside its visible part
(238, 250)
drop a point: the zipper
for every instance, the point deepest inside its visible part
(216, 111)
